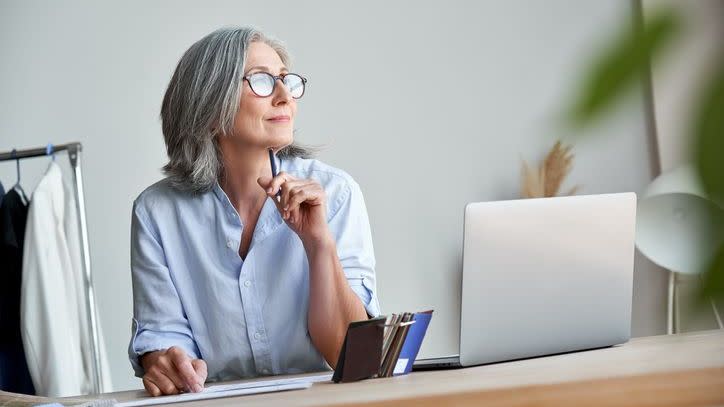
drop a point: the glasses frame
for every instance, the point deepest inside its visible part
(274, 86)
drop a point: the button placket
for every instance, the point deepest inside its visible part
(255, 322)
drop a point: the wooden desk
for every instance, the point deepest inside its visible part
(685, 369)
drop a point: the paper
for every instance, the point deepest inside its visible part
(400, 366)
(235, 389)
(324, 377)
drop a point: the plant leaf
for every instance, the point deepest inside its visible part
(712, 287)
(617, 69)
(708, 133)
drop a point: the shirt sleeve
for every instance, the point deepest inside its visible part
(159, 320)
(351, 228)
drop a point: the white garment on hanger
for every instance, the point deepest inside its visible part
(53, 316)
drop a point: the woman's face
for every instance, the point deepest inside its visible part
(264, 122)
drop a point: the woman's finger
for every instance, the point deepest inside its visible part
(297, 196)
(177, 380)
(162, 383)
(200, 368)
(170, 371)
(287, 189)
(185, 370)
(151, 387)
(276, 182)
(312, 194)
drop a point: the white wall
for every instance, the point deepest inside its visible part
(96, 72)
(679, 76)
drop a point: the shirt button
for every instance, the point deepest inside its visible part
(257, 336)
(229, 243)
(247, 283)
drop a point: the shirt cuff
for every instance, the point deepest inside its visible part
(144, 341)
(361, 287)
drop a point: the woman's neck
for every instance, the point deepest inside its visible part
(241, 170)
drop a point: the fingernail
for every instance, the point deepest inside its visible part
(286, 208)
(269, 190)
(198, 388)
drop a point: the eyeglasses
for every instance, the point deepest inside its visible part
(263, 83)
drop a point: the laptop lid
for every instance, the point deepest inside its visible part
(545, 276)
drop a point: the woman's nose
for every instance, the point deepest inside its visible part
(281, 93)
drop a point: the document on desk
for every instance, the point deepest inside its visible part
(235, 389)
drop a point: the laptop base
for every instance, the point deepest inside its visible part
(447, 362)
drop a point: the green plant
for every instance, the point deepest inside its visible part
(626, 63)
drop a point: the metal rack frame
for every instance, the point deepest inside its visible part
(74, 154)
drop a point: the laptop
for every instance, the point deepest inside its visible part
(544, 276)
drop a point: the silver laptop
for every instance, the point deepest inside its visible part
(544, 276)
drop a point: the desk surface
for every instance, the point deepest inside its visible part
(682, 369)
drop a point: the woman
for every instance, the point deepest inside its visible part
(228, 281)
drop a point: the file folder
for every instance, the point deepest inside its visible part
(413, 342)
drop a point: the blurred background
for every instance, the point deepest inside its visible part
(429, 105)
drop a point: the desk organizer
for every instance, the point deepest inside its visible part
(381, 347)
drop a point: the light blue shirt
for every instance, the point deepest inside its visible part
(246, 317)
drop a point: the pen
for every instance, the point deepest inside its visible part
(274, 172)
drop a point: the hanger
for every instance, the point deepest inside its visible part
(17, 187)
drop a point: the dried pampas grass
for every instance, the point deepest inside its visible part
(546, 180)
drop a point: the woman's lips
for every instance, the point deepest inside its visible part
(279, 119)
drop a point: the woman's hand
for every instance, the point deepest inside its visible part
(172, 371)
(302, 205)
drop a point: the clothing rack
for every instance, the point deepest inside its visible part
(74, 152)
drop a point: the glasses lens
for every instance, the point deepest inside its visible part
(261, 83)
(295, 84)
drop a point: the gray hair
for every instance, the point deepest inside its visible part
(201, 102)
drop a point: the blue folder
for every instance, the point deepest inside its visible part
(413, 341)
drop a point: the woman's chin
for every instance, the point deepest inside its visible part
(279, 142)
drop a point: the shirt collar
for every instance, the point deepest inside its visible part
(269, 218)
(219, 192)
